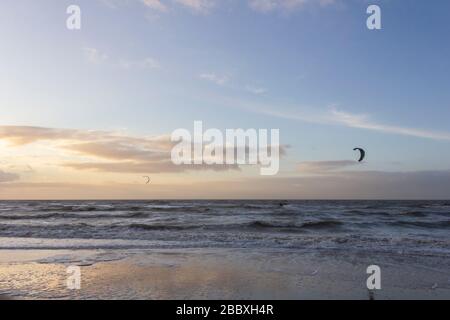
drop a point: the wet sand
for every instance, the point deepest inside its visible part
(218, 274)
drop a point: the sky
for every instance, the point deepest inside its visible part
(85, 114)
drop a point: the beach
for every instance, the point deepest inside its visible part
(224, 249)
(216, 274)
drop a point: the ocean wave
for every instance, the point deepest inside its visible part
(306, 225)
(262, 224)
(159, 227)
(60, 215)
(423, 224)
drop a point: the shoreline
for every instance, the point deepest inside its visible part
(216, 274)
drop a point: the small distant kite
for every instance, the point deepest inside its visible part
(362, 154)
(148, 179)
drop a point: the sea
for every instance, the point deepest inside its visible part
(396, 227)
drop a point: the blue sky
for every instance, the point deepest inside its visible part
(308, 67)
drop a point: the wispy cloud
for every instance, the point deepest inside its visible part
(196, 6)
(200, 6)
(94, 55)
(147, 63)
(284, 5)
(364, 122)
(155, 5)
(165, 166)
(325, 166)
(255, 90)
(8, 177)
(22, 135)
(205, 6)
(215, 78)
(333, 116)
(113, 4)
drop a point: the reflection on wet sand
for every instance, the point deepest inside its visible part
(221, 274)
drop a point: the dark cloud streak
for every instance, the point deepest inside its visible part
(8, 177)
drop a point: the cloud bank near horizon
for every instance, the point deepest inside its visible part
(104, 151)
(363, 185)
(113, 152)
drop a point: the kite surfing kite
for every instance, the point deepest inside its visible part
(362, 154)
